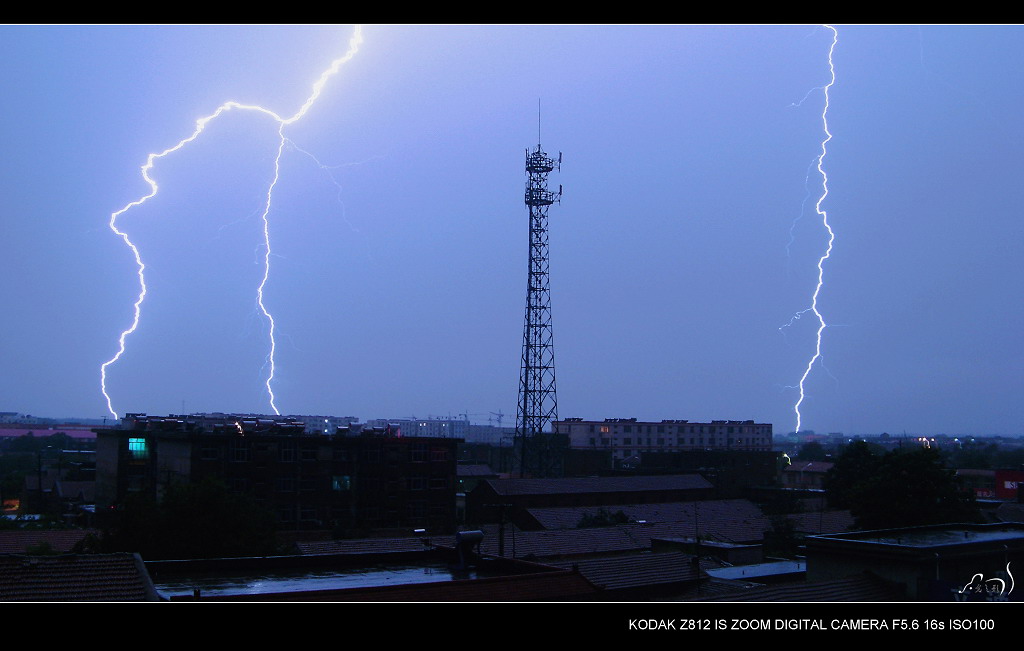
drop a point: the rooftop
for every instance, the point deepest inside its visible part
(937, 536)
(59, 540)
(759, 570)
(72, 577)
(865, 587)
(713, 515)
(640, 570)
(597, 484)
(809, 466)
(816, 522)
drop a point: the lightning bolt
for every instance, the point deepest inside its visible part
(353, 47)
(831, 235)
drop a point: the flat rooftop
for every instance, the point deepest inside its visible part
(937, 536)
(758, 570)
(310, 579)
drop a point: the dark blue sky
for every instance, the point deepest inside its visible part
(398, 273)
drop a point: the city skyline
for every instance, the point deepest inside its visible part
(685, 240)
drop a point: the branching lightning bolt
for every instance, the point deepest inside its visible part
(353, 47)
(831, 235)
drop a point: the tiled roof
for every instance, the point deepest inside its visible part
(474, 470)
(74, 489)
(1010, 512)
(821, 522)
(46, 430)
(371, 545)
(638, 570)
(706, 512)
(17, 542)
(865, 587)
(567, 543)
(562, 585)
(809, 466)
(49, 478)
(737, 521)
(975, 472)
(723, 530)
(598, 484)
(85, 577)
(562, 543)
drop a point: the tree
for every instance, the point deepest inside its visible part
(857, 462)
(603, 518)
(898, 489)
(812, 451)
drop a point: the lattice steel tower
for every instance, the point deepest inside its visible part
(538, 403)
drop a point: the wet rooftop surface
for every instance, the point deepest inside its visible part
(933, 537)
(253, 582)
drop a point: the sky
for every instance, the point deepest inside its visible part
(685, 241)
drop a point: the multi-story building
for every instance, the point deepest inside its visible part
(363, 484)
(326, 424)
(425, 427)
(626, 438)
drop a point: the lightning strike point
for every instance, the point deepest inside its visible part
(353, 47)
(824, 220)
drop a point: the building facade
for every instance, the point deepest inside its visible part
(626, 438)
(359, 485)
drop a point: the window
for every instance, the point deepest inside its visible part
(286, 451)
(209, 452)
(604, 429)
(285, 484)
(308, 454)
(137, 448)
(341, 483)
(239, 450)
(627, 441)
(417, 483)
(439, 454)
(419, 452)
(439, 482)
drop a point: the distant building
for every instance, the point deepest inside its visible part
(806, 474)
(325, 424)
(628, 438)
(1008, 484)
(371, 483)
(495, 499)
(425, 427)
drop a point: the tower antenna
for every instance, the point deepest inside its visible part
(538, 124)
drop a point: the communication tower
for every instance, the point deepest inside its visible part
(538, 403)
